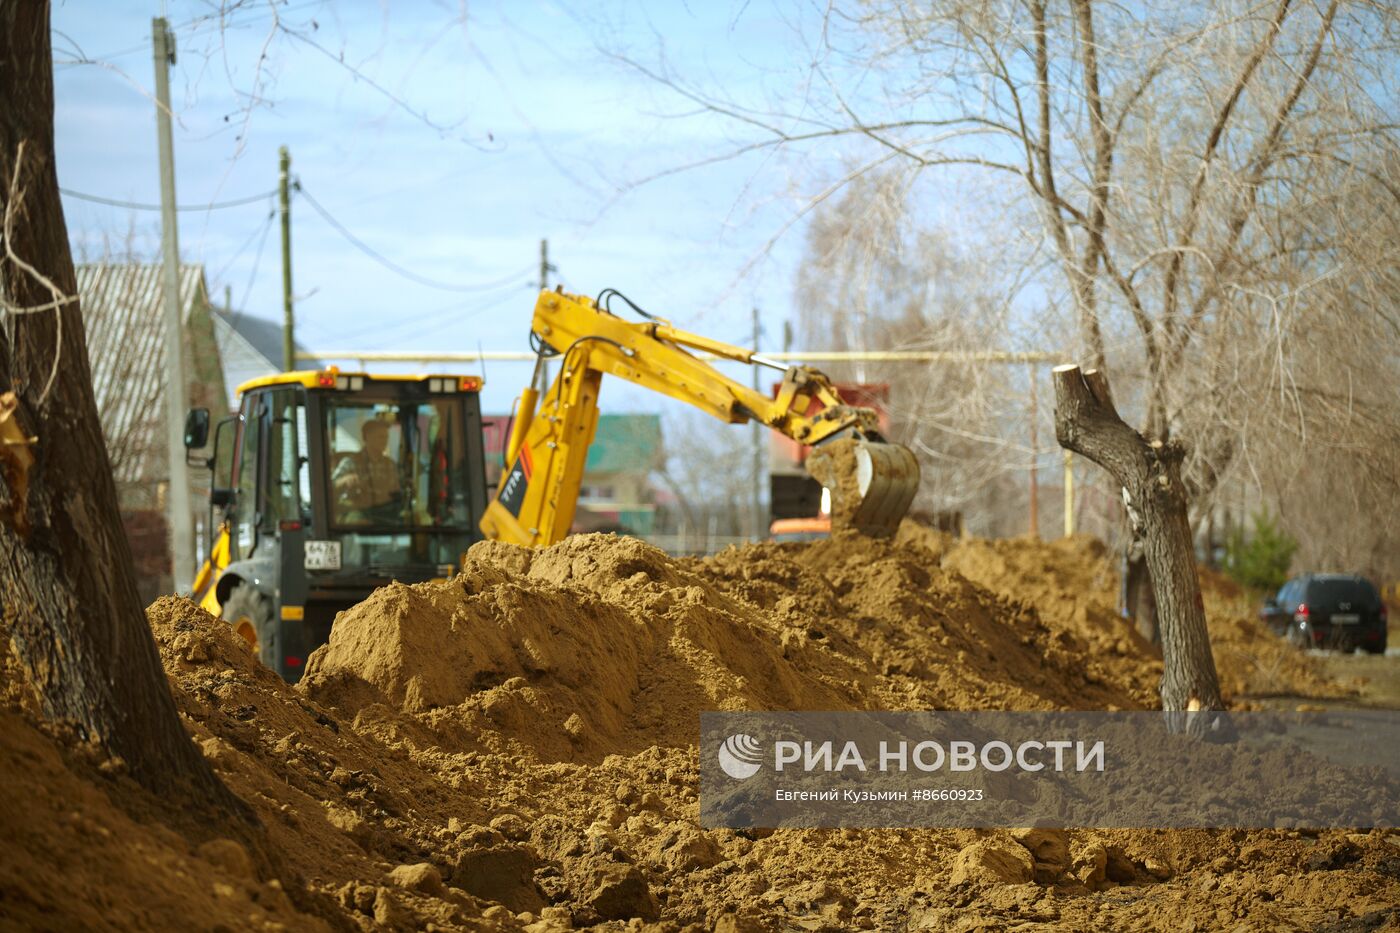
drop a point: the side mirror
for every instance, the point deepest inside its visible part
(196, 428)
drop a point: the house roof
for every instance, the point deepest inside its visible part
(250, 347)
(123, 306)
(262, 335)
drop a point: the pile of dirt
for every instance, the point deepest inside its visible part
(514, 750)
(598, 645)
(1072, 583)
(927, 637)
(1253, 662)
(833, 464)
(1073, 586)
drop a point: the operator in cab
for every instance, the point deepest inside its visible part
(367, 482)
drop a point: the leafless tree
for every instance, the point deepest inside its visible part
(872, 279)
(707, 471)
(1315, 417)
(1192, 171)
(1196, 171)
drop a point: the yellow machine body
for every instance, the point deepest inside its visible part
(554, 425)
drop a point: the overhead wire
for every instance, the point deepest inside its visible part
(257, 260)
(513, 279)
(436, 314)
(138, 206)
(261, 228)
(84, 59)
(394, 267)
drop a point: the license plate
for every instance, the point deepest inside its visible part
(1345, 619)
(322, 555)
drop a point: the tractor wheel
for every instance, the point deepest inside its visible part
(249, 611)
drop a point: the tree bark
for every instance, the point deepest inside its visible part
(1141, 606)
(66, 575)
(1087, 423)
(1080, 277)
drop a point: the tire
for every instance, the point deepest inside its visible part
(249, 611)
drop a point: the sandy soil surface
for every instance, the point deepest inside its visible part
(1375, 677)
(514, 750)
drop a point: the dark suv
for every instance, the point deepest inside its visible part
(1328, 610)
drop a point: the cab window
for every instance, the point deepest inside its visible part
(286, 495)
(245, 518)
(397, 463)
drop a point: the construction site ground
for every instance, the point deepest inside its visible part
(515, 750)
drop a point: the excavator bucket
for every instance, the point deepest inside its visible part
(872, 483)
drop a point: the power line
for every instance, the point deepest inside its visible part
(133, 205)
(261, 228)
(392, 266)
(459, 307)
(257, 260)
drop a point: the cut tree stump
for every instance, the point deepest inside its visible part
(1087, 423)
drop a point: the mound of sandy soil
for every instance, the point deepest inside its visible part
(1072, 583)
(1251, 660)
(930, 638)
(514, 750)
(607, 646)
(598, 645)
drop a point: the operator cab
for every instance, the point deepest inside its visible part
(327, 485)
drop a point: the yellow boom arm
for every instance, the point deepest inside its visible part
(550, 436)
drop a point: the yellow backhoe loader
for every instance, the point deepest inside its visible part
(872, 482)
(327, 484)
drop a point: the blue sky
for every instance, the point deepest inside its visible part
(504, 127)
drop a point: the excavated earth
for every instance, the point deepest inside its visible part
(515, 750)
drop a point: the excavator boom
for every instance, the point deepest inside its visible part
(872, 483)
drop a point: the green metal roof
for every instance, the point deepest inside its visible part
(625, 444)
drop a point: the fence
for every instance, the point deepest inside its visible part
(695, 545)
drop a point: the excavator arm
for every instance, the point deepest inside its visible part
(872, 482)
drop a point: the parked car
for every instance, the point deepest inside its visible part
(1328, 610)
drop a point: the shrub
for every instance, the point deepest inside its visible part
(1260, 558)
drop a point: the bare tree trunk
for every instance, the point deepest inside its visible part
(69, 589)
(1080, 277)
(1141, 605)
(1087, 423)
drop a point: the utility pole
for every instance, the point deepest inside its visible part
(545, 270)
(180, 519)
(545, 267)
(284, 204)
(758, 529)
